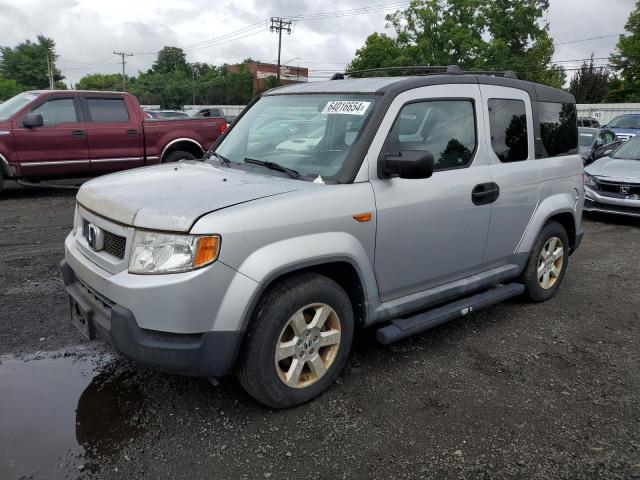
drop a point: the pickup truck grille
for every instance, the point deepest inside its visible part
(115, 245)
(619, 188)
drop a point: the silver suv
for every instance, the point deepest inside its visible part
(410, 201)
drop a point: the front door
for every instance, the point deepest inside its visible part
(60, 146)
(431, 231)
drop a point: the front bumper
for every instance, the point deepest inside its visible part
(204, 354)
(596, 202)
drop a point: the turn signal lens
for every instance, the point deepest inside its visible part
(206, 251)
(363, 217)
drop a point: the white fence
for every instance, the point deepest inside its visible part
(605, 112)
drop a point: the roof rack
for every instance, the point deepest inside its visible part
(425, 70)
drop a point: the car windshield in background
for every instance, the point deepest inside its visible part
(14, 104)
(625, 121)
(585, 139)
(311, 134)
(629, 150)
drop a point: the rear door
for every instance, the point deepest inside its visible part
(116, 140)
(431, 231)
(60, 146)
(513, 168)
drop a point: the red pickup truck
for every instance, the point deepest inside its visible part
(57, 134)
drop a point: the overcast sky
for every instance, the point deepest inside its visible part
(88, 31)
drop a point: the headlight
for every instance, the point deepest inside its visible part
(589, 181)
(155, 252)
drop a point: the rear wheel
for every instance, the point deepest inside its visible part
(177, 156)
(547, 263)
(298, 342)
(1, 182)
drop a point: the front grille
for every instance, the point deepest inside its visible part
(617, 187)
(115, 245)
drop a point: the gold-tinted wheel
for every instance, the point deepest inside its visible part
(308, 345)
(550, 263)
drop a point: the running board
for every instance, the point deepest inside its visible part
(405, 327)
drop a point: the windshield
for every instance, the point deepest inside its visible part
(311, 134)
(625, 121)
(9, 108)
(585, 139)
(629, 150)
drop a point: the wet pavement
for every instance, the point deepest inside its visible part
(531, 391)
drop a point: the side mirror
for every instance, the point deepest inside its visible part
(413, 164)
(33, 120)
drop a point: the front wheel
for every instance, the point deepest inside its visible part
(547, 263)
(298, 342)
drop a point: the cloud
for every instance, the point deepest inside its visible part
(88, 31)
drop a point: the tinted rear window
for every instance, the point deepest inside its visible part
(107, 110)
(558, 129)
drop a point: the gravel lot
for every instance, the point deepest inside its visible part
(516, 391)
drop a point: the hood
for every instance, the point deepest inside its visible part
(173, 196)
(584, 149)
(615, 169)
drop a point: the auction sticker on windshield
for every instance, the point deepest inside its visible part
(346, 107)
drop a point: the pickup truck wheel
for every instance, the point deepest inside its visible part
(298, 341)
(1, 182)
(547, 263)
(177, 156)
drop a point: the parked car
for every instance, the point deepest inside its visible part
(596, 143)
(612, 183)
(625, 126)
(588, 122)
(266, 265)
(54, 134)
(206, 113)
(167, 114)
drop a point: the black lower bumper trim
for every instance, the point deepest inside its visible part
(209, 354)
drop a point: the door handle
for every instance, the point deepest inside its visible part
(132, 132)
(77, 133)
(485, 193)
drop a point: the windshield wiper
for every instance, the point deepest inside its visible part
(224, 160)
(273, 166)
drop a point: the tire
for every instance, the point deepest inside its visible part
(1, 182)
(539, 288)
(177, 156)
(308, 297)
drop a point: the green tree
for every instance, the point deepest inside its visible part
(171, 59)
(473, 34)
(625, 62)
(8, 88)
(589, 84)
(27, 63)
(102, 81)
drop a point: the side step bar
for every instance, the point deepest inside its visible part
(405, 327)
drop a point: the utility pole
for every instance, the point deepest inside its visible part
(123, 55)
(278, 25)
(193, 84)
(49, 70)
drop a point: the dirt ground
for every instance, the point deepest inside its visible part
(516, 391)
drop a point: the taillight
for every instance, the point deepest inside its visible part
(222, 127)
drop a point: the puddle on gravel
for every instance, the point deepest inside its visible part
(61, 413)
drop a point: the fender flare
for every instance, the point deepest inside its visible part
(550, 206)
(5, 168)
(177, 140)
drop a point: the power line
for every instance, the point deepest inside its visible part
(279, 25)
(588, 39)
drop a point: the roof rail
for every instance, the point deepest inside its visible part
(424, 70)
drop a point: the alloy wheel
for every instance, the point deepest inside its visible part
(550, 263)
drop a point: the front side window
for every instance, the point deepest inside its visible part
(12, 106)
(609, 136)
(57, 111)
(107, 110)
(446, 128)
(508, 125)
(558, 128)
(311, 134)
